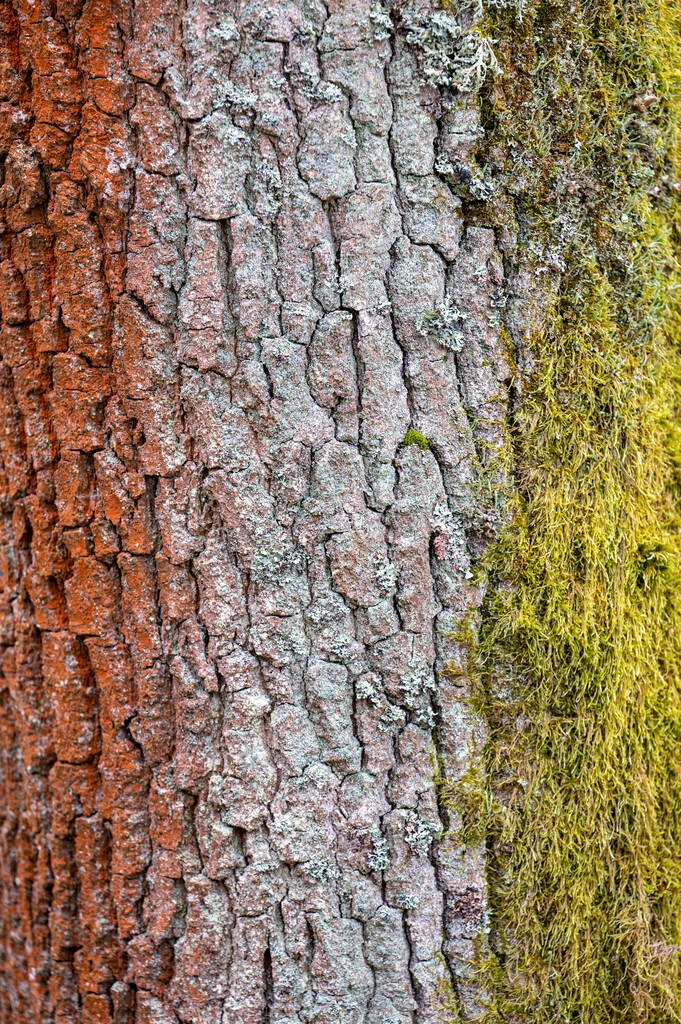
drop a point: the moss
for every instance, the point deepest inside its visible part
(414, 437)
(577, 665)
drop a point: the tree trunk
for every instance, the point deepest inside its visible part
(249, 347)
(340, 504)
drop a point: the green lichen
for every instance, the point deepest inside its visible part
(414, 437)
(577, 665)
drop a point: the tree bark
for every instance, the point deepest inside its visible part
(233, 278)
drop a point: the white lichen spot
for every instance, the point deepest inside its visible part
(450, 54)
(275, 562)
(378, 859)
(550, 259)
(416, 684)
(425, 717)
(458, 173)
(444, 325)
(481, 188)
(321, 870)
(238, 98)
(381, 22)
(390, 717)
(348, 137)
(326, 92)
(406, 902)
(366, 689)
(515, 5)
(441, 518)
(318, 89)
(419, 834)
(386, 577)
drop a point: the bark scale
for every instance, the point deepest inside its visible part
(231, 281)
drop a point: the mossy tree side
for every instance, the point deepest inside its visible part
(578, 656)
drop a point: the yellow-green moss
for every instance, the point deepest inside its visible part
(414, 437)
(577, 667)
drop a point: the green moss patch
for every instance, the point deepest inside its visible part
(414, 437)
(577, 663)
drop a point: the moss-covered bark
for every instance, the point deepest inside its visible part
(578, 655)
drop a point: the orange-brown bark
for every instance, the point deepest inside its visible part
(69, 881)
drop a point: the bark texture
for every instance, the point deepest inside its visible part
(231, 280)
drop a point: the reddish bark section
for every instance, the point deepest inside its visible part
(71, 885)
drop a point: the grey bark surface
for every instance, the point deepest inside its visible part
(302, 287)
